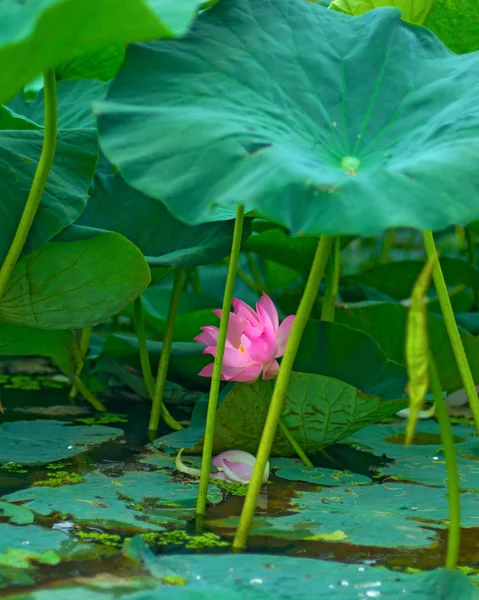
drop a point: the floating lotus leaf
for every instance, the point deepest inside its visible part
(140, 500)
(41, 442)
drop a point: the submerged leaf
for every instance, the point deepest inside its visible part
(417, 347)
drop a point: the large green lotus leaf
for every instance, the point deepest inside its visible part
(397, 279)
(391, 515)
(102, 64)
(357, 135)
(74, 99)
(165, 241)
(66, 190)
(76, 284)
(60, 346)
(318, 411)
(386, 323)
(413, 12)
(39, 35)
(349, 355)
(270, 577)
(142, 500)
(293, 469)
(41, 442)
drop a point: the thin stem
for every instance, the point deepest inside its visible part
(85, 392)
(460, 236)
(218, 363)
(143, 348)
(387, 245)
(195, 280)
(294, 444)
(39, 180)
(253, 267)
(146, 365)
(454, 537)
(328, 309)
(452, 330)
(246, 278)
(472, 256)
(158, 407)
(84, 344)
(281, 389)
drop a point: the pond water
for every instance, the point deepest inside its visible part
(89, 508)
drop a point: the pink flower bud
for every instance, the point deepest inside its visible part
(236, 465)
(232, 465)
(254, 340)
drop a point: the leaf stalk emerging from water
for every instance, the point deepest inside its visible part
(218, 364)
(281, 388)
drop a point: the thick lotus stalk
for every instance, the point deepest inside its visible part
(218, 363)
(452, 330)
(454, 537)
(281, 388)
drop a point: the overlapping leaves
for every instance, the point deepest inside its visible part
(357, 135)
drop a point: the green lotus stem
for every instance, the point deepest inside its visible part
(39, 180)
(387, 245)
(250, 282)
(218, 364)
(281, 389)
(143, 348)
(195, 280)
(253, 267)
(328, 309)
(294, 444)
(460, 236)
(472, 256)
(454, 537)
(158, 408)
(84, 344)
(85, 392)
(146, 365)
(452, 330)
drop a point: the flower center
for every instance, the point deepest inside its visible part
(241, 349)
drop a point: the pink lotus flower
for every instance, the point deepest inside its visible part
(254, 340)
(232, 465)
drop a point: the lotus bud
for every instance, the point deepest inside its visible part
(232, 465)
